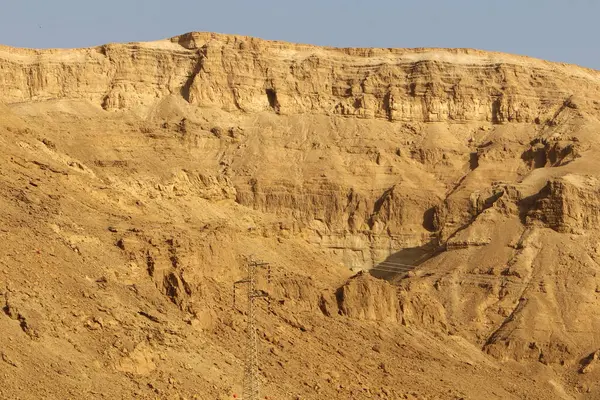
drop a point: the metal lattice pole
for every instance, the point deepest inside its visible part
(251, 379)
(251, 367)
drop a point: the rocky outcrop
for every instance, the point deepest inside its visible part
(366, 227)
(253, 75)
(337, 207)
(112, 76)
(193, 183)
(551, 153)
(367, 298)
(569, 204)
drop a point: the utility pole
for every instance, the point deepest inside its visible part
(251, 380)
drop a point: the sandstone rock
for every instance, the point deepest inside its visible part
(141, 361)
(568, 204)
(367, 298)
(589, 363)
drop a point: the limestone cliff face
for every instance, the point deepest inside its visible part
(252, 75)
(113, 76)
(454, 162)
(569, 204)
(366, 219)
(364, 227)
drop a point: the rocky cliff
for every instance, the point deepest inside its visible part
(252, 75)
(245, 76)
(138, 175)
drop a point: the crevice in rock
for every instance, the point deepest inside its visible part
(412, 89)
(186, 88)
(479, 208)
(150, 264)
(149, 316)
(171, 286)
(496, 334)
(429, 219)
(272, 98)
(496, 110)
(378, 205)
(105, 102)
(339, 297)
(543, 153)
(24, 326)
(473, 160)
(528, 204)
(388, 105)
(8, 310)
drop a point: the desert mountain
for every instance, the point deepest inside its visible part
(430, 217)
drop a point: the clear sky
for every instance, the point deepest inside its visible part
(557, 30)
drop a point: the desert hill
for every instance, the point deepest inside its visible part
(138, 178)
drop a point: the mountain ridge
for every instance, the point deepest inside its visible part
(431, 225)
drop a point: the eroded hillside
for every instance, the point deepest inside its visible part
(137, 178)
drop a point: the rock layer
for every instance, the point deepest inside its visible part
(253, 75)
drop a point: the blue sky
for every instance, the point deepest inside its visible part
(557, 30)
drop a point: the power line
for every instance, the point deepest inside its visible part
(389, 265)
(392, 263)
(404, 268)
(385, 267)
(475, 279)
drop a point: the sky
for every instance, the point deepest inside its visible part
(556, 30)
